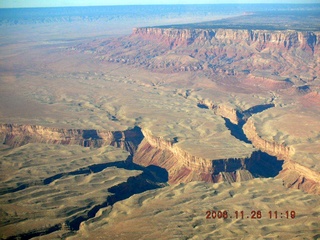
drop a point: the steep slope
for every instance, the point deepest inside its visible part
(268, 56)
(17, 135)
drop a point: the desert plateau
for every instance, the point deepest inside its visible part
(160, 122)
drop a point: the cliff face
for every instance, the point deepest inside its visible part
(17, 135)
(285, 39)
(184, 167)
(239, 55)
(147, 149)
(222, 110)
(273, 148)
(228, 112)
(293, 174)
(297, 176)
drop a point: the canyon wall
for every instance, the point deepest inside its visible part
(147, 149)
(222, 110)
(293, 174)
(287, 39)
(17, 135)
(272, 148)
(182, 166)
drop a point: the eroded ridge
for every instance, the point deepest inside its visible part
(145, 149)
(223, 52)
(16, 135)
(243, 128)
(182, 166)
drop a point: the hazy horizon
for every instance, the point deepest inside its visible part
(87, 3)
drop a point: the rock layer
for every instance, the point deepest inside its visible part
(17, 135)
(284, 39)
(184, 167)
(148, 149)
(294, 174)
(265, 59)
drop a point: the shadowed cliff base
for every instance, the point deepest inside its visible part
(259, 164)
(134, 185)
(148, 178)
(236, 130)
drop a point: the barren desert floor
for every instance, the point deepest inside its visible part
(119, 130)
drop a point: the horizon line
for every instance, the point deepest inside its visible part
(182, 4)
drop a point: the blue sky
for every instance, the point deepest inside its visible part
(56, 3)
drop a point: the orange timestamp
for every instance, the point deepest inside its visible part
(254, 214)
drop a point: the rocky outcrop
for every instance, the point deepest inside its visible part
(236, 176)
(186, 159)
(17, 135)
(235, 116)
(228, 112)
(262, 38)
(261, 59)
(275, 149)
(182, 166)
(293, 174)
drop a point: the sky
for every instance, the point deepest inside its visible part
(60, 3)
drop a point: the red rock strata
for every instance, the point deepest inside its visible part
(261, 38)
(146, 150)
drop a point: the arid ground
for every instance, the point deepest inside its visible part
(112, 129)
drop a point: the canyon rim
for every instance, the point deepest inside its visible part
(112, 121)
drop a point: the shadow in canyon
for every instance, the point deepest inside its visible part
(134, 185)
(259, 164)
(152, 177)
(236, 130)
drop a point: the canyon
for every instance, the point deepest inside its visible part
(135, 133)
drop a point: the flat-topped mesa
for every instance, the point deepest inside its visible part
(174, 37)
(16, 135)
(288, 39)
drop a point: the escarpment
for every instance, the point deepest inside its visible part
(182, 166)
(273, 148)
(268, 57)
(147, 149)
(17, 135)
(294, 174)
(288, 39)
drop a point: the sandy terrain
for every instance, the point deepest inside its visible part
(258, 132)
(181, 210)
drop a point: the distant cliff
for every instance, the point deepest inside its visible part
(262, 38)
(279, 55)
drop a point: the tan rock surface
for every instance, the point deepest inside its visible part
(190, 92)
(180, 210)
